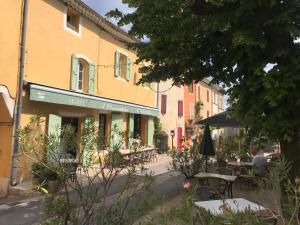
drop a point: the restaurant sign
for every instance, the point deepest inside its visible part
(63, 97)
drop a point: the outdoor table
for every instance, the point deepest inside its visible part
(239, 164)
(235, 205)
(227, 178)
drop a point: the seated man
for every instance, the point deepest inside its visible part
(259, 163)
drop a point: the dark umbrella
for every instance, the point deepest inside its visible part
(222, 119)
(206, 146)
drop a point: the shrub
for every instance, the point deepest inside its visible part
(187, 161)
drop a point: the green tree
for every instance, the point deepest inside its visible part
(248, 45)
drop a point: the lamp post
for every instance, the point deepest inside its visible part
(172, 133)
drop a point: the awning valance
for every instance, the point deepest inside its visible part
(64, 97)
(7, 102)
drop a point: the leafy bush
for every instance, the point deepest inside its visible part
(187, 161)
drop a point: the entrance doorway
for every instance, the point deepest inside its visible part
(137, 126)
(69, 137)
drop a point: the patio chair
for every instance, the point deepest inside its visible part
(153, 155)
(217, 188)
(245, 177)
(202, 193)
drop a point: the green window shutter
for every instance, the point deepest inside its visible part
(92, 79)
(150, 131)
(74, 73)
(54, 129)
(116, 129)
(128, 68)
(131, 125)
(117, 64)
(87, 157)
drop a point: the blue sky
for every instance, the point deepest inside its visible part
(103, 6)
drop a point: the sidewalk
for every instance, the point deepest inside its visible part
(26, 190)
(18, 211)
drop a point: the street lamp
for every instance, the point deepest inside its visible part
(172, 133)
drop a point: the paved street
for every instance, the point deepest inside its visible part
(16, 211)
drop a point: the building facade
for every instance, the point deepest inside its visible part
(77, 68)
(201, 100)
(171, 108)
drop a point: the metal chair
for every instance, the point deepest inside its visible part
(202, 193)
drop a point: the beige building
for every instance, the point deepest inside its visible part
(171, 112)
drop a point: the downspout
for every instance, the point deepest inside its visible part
(18, 110)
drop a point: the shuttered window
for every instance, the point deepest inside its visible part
(82, 76)
(191, 111)
(207, 96)
(163, 104)
(180, 108)
(122, 66)
(92, 71)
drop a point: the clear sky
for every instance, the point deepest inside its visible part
(103, 6)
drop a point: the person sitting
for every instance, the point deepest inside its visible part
(259, 163)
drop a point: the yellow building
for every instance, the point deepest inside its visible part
(77, 67)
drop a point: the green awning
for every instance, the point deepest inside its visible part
(58, 96)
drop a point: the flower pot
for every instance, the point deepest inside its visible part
(35, 181)
(53, 186)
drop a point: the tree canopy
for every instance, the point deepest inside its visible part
(249, 45)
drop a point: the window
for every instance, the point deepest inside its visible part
(80, 76)
(180, 108)
(191, 88)
(207, 113)
(72, 20)
(207, 96)
(122, 66)
(163, 104)
(199, 93)
(191, 111)
(215, 97)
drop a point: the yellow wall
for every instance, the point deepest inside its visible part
(10, 18)
(50, 47)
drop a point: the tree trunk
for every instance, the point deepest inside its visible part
(291, 152)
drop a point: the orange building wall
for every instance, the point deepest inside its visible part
(189, 98)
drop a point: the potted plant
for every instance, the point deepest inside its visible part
(52, 180)
(36, 170)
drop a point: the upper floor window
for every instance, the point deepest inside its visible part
(207, 96)
(72, 20)
(191, 88)
(122, 66)
(82, 75)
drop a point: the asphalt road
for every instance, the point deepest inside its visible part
(29, 211)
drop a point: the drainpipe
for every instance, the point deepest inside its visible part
(18, 109)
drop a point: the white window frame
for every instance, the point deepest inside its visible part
(78, 34)
(82, 79)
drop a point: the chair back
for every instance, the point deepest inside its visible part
(202, 193)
